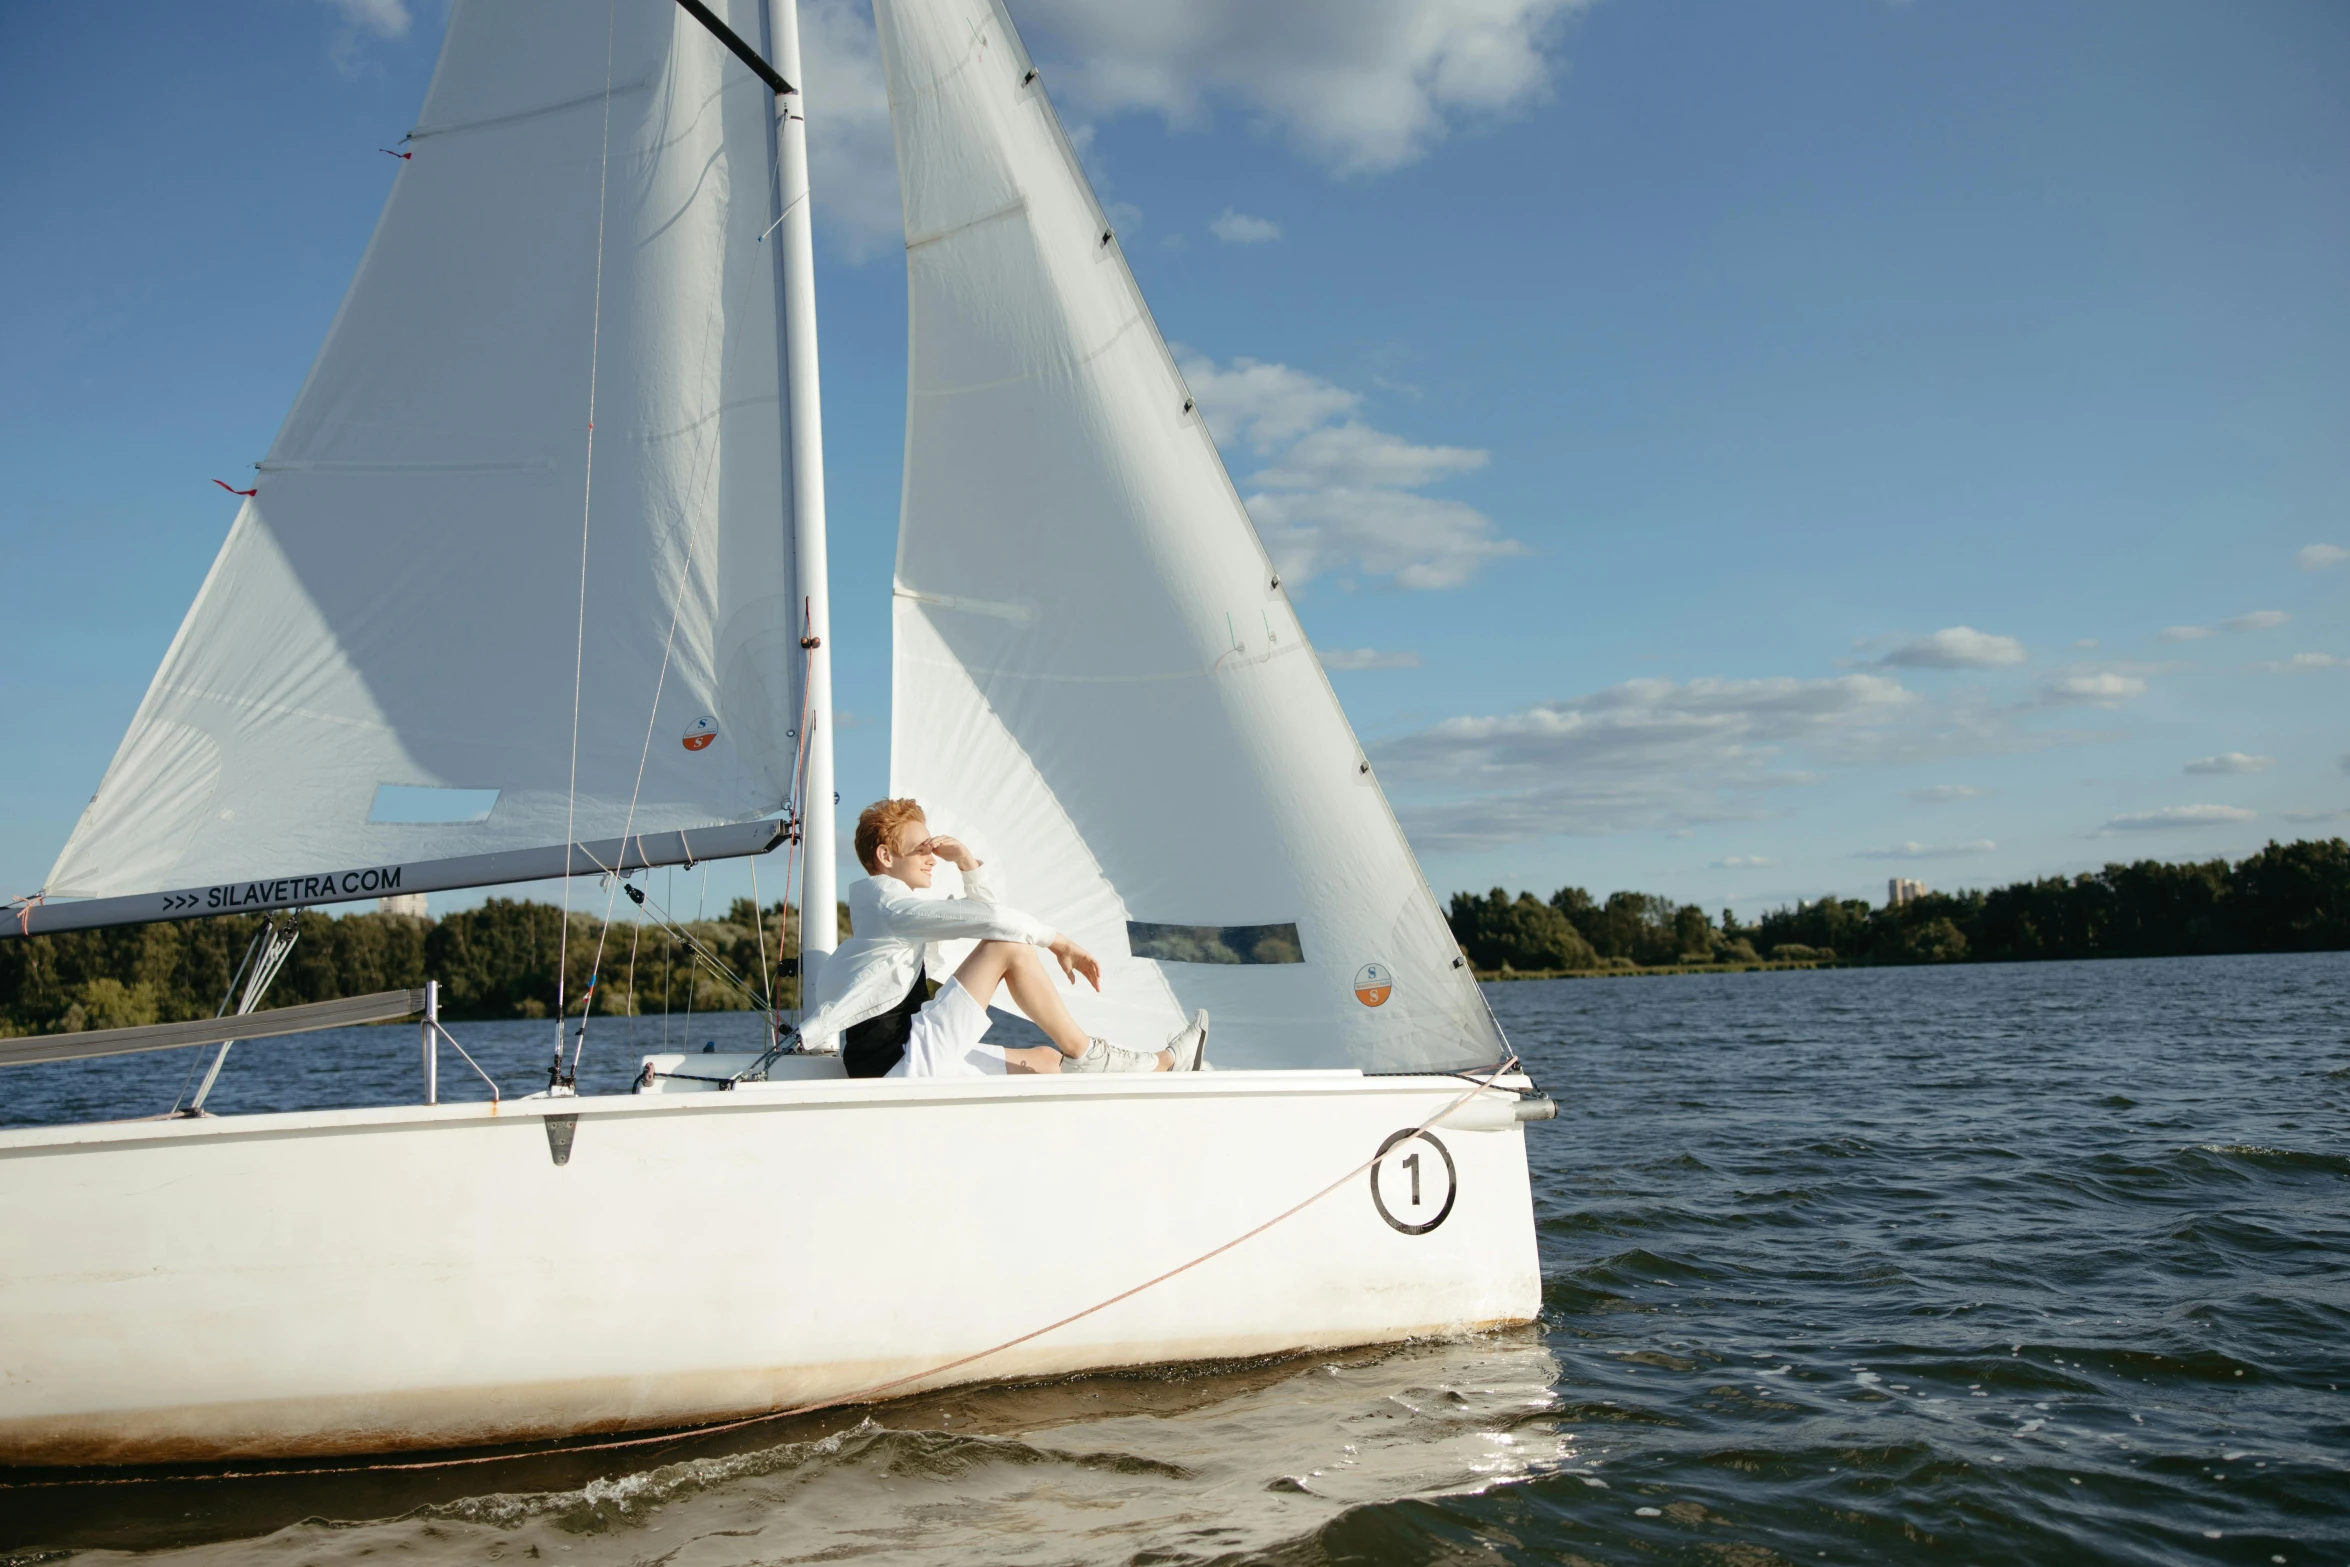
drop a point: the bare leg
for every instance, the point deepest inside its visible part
(1040, 1059)
(1015, 966)
(1018, 968)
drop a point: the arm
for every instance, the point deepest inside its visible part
(1005, 923)
(975, 916)
(1074, 959)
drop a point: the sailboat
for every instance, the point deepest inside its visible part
(532, 584)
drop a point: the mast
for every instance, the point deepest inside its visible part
(796, 256)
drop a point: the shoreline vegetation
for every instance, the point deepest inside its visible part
(495, 961)
(2291, 897)
(499, 960)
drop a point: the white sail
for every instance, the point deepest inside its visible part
(396, 613)
(1098, 681)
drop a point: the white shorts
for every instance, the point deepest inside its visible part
(945, 1038)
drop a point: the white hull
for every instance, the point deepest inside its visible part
(377, 1280)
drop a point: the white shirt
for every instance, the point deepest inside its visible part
(897, 928)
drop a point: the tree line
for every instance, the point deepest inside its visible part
(2292, 897)
(500, 960)
(495, 961)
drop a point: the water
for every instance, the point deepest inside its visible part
(2043, 1263)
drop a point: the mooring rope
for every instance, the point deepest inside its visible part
(860, 1395)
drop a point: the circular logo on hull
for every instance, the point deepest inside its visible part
(1413, 1182)
(700, 733)
(1373, 984)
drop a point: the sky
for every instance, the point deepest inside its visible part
(1739, 452)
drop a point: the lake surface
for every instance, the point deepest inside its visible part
(2038, 1263)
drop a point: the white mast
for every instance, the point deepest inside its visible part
(798, 254)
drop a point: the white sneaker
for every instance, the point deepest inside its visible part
(1102, 1056)
(1190, 1044)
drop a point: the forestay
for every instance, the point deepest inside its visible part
(1098, 680)
(395, 613)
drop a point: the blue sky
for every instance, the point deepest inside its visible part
(1735, 451)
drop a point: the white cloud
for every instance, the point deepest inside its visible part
(1957, 647)
(1417, 540)
(2101, 689)
(853, 165)
(1645, 755)
(2231, 762)
(382, 18)
(2302, 663)
(1238, 228)
(1337, 495)
(1740, 862)
(2258, 620)
(2174, 816)
(387, 20)
(1261, 406)
(2313, 816)
(1913, 850)
(1354, 454)
(2317, 557)
(1943, 794)
(1367, 658)
(1361, 85)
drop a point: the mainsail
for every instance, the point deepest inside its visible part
(1098, 679)
(380, 667)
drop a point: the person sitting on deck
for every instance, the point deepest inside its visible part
(868, 997)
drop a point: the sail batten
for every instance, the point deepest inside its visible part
(398, 603)
(1147, 755)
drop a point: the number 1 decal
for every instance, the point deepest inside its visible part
(1424, 1171)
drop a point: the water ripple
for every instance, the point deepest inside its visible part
(2006, 1263)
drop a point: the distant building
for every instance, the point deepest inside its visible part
(408, 903)
(1898, 891)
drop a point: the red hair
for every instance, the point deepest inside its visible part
(878, 824)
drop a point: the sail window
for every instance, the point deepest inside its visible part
(419, 803)
(1214, 943)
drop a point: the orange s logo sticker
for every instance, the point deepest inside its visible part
(1373, 984)
(700, 733)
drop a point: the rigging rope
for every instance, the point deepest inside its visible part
(860, 1395)
(277, 937)
(759, 939)
(586, 510)
(682, 935)
(636, 932)
(196, 1057)
(696, 489)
